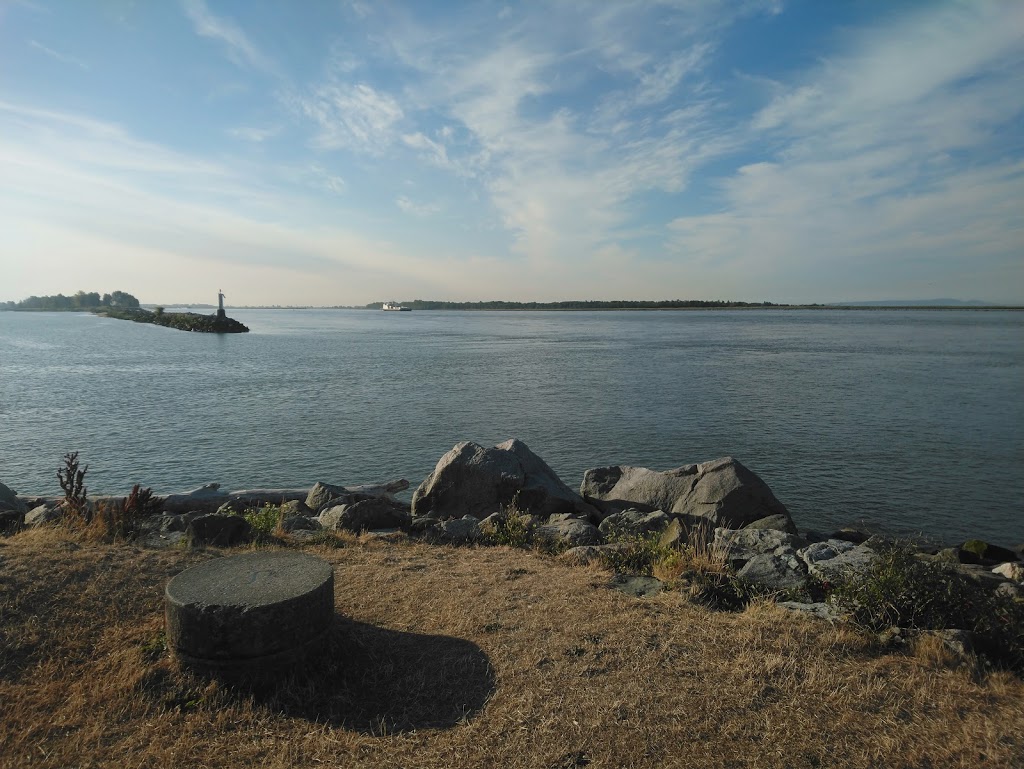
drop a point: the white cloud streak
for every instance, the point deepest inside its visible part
(63, 58)
(239, 48)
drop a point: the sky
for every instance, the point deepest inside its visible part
(343, 152)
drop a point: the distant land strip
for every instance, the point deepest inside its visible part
(121, 301)
(668, 304)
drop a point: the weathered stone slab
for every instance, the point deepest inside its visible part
(250, 611)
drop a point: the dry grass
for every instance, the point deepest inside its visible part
(462, 657)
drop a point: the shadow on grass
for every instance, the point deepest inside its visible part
(379, 681)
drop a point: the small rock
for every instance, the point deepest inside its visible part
(817, 610)
(774, 572)
(834, 558)
(205, 498)
(979, 551)
(419, 525)
(634, 523)
(892, 637)
(43, 514)
(296, 523)
(638, 587)
(558, 517)
(778, 522)
(584, 555)
(369, 513)
(460, 531)
(219, 530)
(9, 500)
(847, 534)
(296, 507)
(176, 521)
(740, 545)
(1011, 570)
(1009, 590)
(321, 494)
(571, 533)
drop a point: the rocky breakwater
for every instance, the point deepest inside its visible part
(183, 321)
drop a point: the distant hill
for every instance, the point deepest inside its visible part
(917, 303)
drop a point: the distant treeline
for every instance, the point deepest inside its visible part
(80, 301)
(615, 304)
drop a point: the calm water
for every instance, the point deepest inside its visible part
(911, 419)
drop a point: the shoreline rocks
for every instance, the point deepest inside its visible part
(509, 494)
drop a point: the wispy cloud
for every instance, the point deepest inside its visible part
(351, 116)
(238, 46)
(416, 209)
(61, 57)
(253, 133)
(125, 201)
(870, 174)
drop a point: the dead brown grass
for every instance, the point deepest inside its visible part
(448, 657)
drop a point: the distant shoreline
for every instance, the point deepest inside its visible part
(986, 308)
(552, 307)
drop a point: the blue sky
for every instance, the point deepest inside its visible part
(323, 153)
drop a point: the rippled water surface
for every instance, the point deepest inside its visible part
(909, 419)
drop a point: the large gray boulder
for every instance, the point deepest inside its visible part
(722, 491)
(473, 480)
(9, 500)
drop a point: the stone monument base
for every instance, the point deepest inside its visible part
(256, 612)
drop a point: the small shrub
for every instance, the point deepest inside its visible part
(900, 589)
(510, 530)
(266, 521)
(124, 520)
(701, 554)
(721, 591)
(637, 554)
(72, 480)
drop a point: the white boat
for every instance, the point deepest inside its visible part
(395, 307)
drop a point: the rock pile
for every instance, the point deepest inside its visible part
(509, 494)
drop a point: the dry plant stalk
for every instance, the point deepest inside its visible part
(72, 480)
